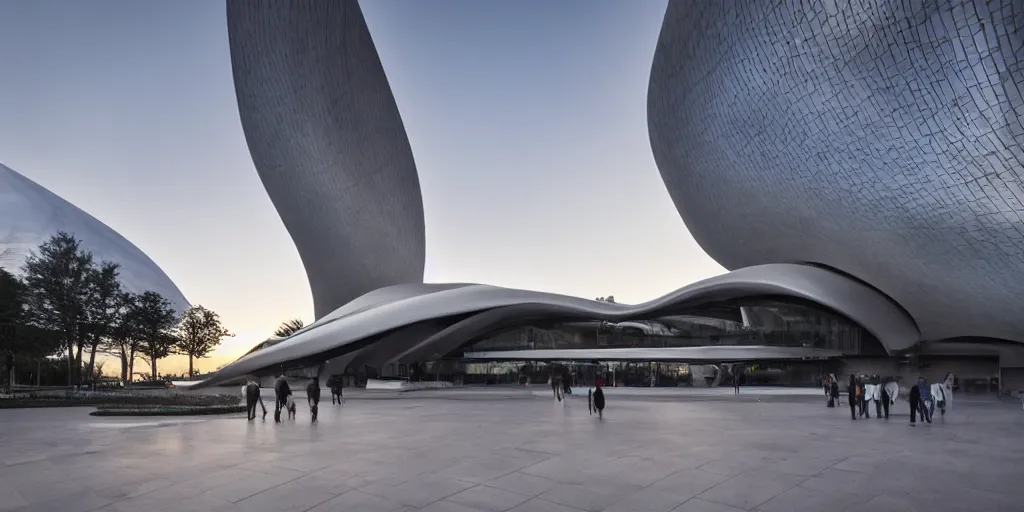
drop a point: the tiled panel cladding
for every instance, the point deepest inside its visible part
(880, 137)
(328, 143)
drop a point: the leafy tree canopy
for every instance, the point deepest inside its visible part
(198, 333)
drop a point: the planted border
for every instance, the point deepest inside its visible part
(167, 410)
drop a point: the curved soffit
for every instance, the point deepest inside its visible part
(494, 306)
(30, 214)
(328, 143)
(883, 140)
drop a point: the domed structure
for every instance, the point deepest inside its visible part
(881, 139)
(31, 214)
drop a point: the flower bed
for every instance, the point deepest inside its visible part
(123, 410)
(127, 399)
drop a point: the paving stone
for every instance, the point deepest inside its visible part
(751, 489)
(539, 505)
(522, 483)
(584, 497)
(486, 498)
(699, 505)
(357, 500)
(289, 497)
(648, 500)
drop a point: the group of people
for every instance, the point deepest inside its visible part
(561, 385)
(861, 391)
(283, 398)
(925, 398)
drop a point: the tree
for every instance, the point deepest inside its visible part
(102, 308)
(57, 276)
(12, 311)
(152, 319)
(610, 298)
(13, 298)
(17, 335)
(122, 339)
(289, 327)
(198, 333)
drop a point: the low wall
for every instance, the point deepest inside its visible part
(404, 385)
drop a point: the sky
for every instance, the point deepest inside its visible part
(527, 121)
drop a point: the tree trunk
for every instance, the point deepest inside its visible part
(131, 366)
(190, 374)
(78, 364)
(71, 363)
(92, 358)
(124, 367)
(152, 363)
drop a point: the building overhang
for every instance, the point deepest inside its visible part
(709, 354)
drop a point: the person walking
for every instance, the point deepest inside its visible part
(915, 404)
(599, 402)
(556, 386)
(736, 380)
(313, 396)
(925, 393)
(851, 390)
(281, 393)
(252, 398)
(885, 399)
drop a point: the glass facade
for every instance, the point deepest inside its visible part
(765, 323)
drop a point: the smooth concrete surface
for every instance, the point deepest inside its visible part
(523, 454)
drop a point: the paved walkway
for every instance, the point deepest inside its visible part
(523, 455)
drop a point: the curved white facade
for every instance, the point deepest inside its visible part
(880, 138)
(328, 143)
(31, 214)
(421, 322)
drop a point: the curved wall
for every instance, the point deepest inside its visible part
(31, 214)
(328, 143)
(881, 138)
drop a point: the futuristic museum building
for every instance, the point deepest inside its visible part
(856, 166)
(31, 214)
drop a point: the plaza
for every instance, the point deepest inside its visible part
(498, 449)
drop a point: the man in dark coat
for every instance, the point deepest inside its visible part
(884, 399)
(336, 383)
(252, 397)
(835, 392)
(854, 400)
(599, 402)
(281, 392)
(915, 403)
(313, 395)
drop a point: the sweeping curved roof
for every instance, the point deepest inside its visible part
(420, 322)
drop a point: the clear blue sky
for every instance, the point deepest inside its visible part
(527, 120)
